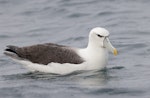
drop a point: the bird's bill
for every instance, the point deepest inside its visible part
(110, 47)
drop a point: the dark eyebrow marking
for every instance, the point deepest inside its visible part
(99, 35)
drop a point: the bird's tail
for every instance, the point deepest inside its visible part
(11, 51)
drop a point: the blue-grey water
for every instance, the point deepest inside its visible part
(68, 22)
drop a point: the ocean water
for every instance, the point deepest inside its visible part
(68, 22)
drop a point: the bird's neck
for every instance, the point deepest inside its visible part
(93, 50)
(92, 46)
(97, 58)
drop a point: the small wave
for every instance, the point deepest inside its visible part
(117, 91)
(76, 15)
(117, 67)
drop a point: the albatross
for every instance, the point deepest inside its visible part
(61, 59)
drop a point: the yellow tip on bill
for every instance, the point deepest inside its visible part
(115, 52)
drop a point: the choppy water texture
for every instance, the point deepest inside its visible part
(68, 22)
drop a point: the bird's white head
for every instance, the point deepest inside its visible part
(98, 37)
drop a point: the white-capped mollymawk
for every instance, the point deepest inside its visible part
(60, 59)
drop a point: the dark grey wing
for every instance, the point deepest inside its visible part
(47, 53)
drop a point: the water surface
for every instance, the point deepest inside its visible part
(68, 22)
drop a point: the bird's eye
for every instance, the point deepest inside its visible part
(99, 35)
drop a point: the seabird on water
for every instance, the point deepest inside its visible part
(60, 59)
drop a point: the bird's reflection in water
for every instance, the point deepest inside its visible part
(82, 79)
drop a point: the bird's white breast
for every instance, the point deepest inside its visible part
(96, 59)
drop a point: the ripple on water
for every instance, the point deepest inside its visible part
(4, 36)
(117, 91)
(77, 15)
